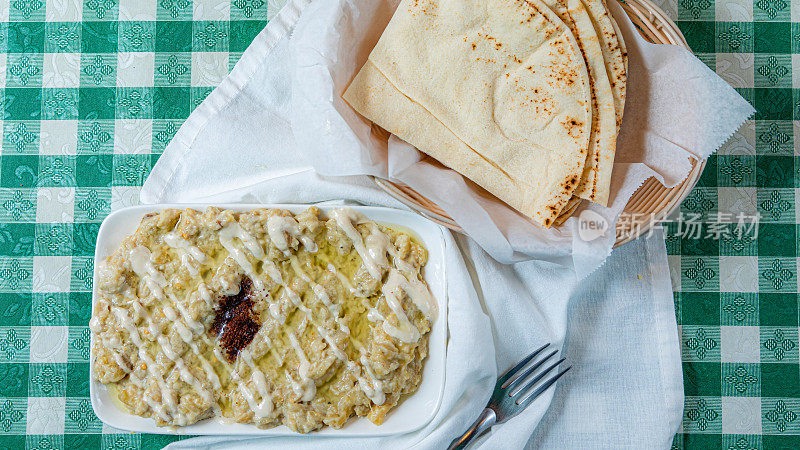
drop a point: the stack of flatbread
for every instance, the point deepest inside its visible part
(523, 97)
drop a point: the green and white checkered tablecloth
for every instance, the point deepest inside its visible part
(93, 90)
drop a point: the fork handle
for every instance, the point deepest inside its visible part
(481, 424)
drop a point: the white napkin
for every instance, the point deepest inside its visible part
(625, 388)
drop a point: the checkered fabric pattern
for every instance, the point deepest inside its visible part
(736, 298)
(93, 90)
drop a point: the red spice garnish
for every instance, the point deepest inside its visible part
(235, 323)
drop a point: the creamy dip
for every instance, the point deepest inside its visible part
(262, 317)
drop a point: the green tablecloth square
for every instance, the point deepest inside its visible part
(172, 37)
(99, 37)
(82, 441)
(776, 205)
(780, 380)
(772, 37)
(20, 137)
(773, 70)
(96, 103)
(78, 345)
(171, 103)
(80, 308)
(777, 239)
(14, 379)
(53, 239)
(134, 103)
(709, 176)
(702, 378)
(94, 203)
(699, 274)
(22, 103)
(773, 103)
(93, 171)
(700, 308)
(163, 131)
(741, 441)
(777, 274)
(19, 171)
(15, 310)
(78, 379)
(701, 202)
(741, 380)
(771, 10)
(25, 37)
(130, 170)
(242, 33)
(703, 245)
(775, 171)
(100, 10)
(14, 345)
(696, 10)
(98, 69)
(137, 36)
(80, 418)
(198, 94)
(730, 37)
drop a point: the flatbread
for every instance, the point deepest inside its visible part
(614, 52)
(568, 211)
(596, 178)
(512, 92)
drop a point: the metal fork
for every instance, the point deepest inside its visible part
(513, 393)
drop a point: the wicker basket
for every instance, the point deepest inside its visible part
(651, 201)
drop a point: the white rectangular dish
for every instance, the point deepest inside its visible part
(411, 414)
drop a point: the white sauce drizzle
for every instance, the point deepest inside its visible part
(374, 388)
(279, 226)
(226, 236)
(345, 217)
(406, 332)
(143, 267)
(306, 388)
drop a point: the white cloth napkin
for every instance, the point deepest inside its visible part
(625, 388)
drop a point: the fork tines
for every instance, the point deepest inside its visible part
(518, 383)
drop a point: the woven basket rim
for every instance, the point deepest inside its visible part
(651, 203)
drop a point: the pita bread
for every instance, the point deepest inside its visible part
(512, 92)
(596, 178)
(568, 211)
(614, 52)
